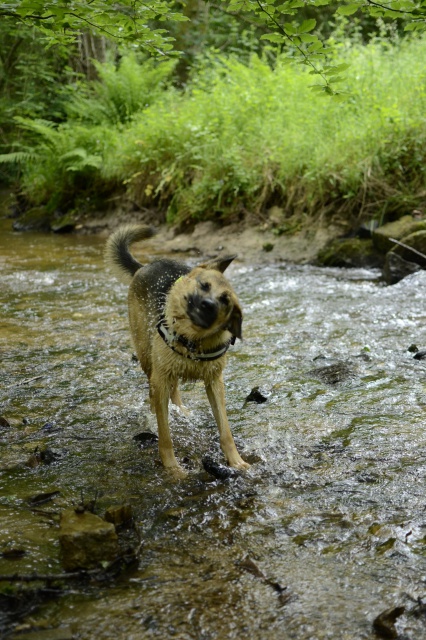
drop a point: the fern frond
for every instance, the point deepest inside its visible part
(18, 157)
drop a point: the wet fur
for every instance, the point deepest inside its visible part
(198, 304)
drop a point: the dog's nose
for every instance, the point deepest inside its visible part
(202, 311)
(208, 306)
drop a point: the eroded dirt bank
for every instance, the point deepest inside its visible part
(250, 241)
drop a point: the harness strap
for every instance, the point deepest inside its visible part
(172, 339)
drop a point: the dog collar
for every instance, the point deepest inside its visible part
(194, 353)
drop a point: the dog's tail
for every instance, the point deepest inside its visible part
(117, 252)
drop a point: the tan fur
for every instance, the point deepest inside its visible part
(164, 366)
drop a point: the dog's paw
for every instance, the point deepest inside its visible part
(238, 463)
(177, 472)
(180, 410)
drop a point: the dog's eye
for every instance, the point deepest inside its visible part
(224, 298)
(205, 286)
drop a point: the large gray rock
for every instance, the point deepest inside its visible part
(86, 540)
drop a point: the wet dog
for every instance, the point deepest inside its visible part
(182, 322)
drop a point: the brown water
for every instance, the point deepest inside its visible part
(334, 510)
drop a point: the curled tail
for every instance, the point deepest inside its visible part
(117, 251)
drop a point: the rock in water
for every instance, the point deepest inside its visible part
(396, 268)
(119, 515)
(384, 624)
(219, 471)
(86, 540)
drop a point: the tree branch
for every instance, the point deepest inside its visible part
(389, 8)
(290, 39)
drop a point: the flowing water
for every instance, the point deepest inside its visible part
(327, 529)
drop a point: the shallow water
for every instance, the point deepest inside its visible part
(334, 509)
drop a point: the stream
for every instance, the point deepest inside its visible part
(327, 529)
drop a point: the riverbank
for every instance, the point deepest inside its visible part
(252, 239)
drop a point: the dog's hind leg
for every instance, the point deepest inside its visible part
(177, 400)
(216, 394)
(175, 395)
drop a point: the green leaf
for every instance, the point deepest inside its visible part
(290, 29)
(348, 9)
(307, 25)
(273, 37)
(306, 37)
(416, 25)
(316, 46)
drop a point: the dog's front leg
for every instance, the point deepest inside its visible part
(160, 393)
(216, 395)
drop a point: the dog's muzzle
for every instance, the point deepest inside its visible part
(202, 311)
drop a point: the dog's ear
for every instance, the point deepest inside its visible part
(219, 263)
(235, 322)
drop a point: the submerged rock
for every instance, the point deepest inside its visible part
(146, 439)
(86, 540)
(4, 423)
(42, 456)
(256, 395)
(333, 373)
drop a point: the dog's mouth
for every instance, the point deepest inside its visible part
(202, 311)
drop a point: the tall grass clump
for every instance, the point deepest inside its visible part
(245, 136)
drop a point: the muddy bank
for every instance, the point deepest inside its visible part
(251, 239)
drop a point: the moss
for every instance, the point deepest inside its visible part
(417, 242)
(398, 230)
(350, 252)
(35, 219)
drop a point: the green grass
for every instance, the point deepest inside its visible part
(242, 138)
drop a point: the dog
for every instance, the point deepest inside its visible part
(182, 323)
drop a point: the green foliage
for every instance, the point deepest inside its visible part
(120, 92)
(130, 21)
(288, 24)
(290, 29)
(29, 76)
(64, 164)
(243, 137)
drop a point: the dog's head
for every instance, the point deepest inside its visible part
(203, 303)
